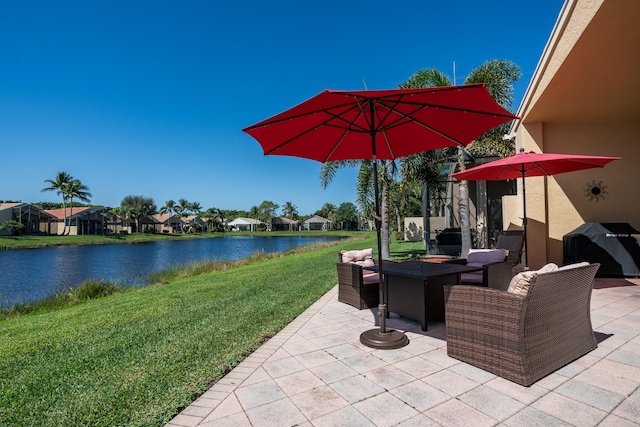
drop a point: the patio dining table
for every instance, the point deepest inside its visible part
(415, 288)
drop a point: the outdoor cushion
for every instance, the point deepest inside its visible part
(474, 277)
(355, 255)
(521, 282)
(368, 279)
(349, 256)
(480, 257)
(366, 263)
(577, 264)
(364, 254)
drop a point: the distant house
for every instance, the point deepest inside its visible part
(167, 223)
(244, 224)
(33, 219)
(192, 221)
(83, 221)
(281, 223)
(316, 223)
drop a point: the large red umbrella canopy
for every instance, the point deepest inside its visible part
(381, 124)
(531, 164)
(522, 165)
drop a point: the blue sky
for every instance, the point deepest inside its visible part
(149, 98)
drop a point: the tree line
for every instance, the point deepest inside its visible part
(411, 186)
(134, 208)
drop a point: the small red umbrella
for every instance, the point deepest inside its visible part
(380, 125)
(530, 164)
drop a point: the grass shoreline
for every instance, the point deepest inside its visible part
(139, 357)
(44, 241)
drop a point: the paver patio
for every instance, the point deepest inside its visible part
(315, 372)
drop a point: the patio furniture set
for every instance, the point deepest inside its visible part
(521, 327)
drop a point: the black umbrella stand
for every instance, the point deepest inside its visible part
(381, 338)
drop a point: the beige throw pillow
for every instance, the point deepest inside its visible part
(521, 282)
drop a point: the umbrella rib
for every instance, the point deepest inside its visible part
(273, 121)
(347, 128)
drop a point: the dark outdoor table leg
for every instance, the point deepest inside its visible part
(419, 299)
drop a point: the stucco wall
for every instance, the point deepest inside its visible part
(558, 204)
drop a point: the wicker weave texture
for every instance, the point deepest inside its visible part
(522, 338)
(496, 273)
(352, 290)
(513, 241)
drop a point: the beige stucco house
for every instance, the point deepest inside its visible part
(31, 217)
(582, 99)
(83, 221)
(167, 223)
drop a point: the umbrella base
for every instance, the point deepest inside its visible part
(384, 340)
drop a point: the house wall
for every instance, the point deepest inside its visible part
(565, 110)
(558, 204)
(414, 230)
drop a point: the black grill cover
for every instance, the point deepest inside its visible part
(613, 245)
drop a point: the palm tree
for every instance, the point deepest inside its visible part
(59, 185)
(138, 207)
(76, 189)
(183, 209)
(289, 210)
(169, 207)
(215, 219)
(195, 208)
(499, 75)
(365, 191)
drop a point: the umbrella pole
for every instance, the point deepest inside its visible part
(382, 338)
(524, 221)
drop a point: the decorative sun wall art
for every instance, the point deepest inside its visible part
(595, 190)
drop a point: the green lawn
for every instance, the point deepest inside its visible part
(139, 357)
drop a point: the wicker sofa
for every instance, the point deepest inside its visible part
(523, 338)
(356, 286)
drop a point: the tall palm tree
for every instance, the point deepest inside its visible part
(183, 209)
(289, 210)
(76, 189)
(169, 207)
(499, 75)
(365, 191)
(58, 185)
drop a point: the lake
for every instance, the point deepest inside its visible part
(32, 274)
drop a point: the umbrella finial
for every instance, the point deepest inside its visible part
(521, 149)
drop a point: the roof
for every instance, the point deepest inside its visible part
(24, 207)
(165, 217)
(589, 60)
(4, 206)
(244, 221)
(316, 218)
(284, 220)
(59, 213)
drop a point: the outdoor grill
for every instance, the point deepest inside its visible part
(614, 245)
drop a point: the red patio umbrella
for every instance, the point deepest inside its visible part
(530, 164)
(380, 125)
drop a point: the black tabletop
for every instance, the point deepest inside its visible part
(422, 270)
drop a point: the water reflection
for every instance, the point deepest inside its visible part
(31, 274)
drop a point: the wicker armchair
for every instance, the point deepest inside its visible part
(493, 271)
(523, 338)
(513, 241)
(356, 288)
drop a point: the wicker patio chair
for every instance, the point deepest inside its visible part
(356, 288)
(495, 270)
(522, 338)
(513, 241)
